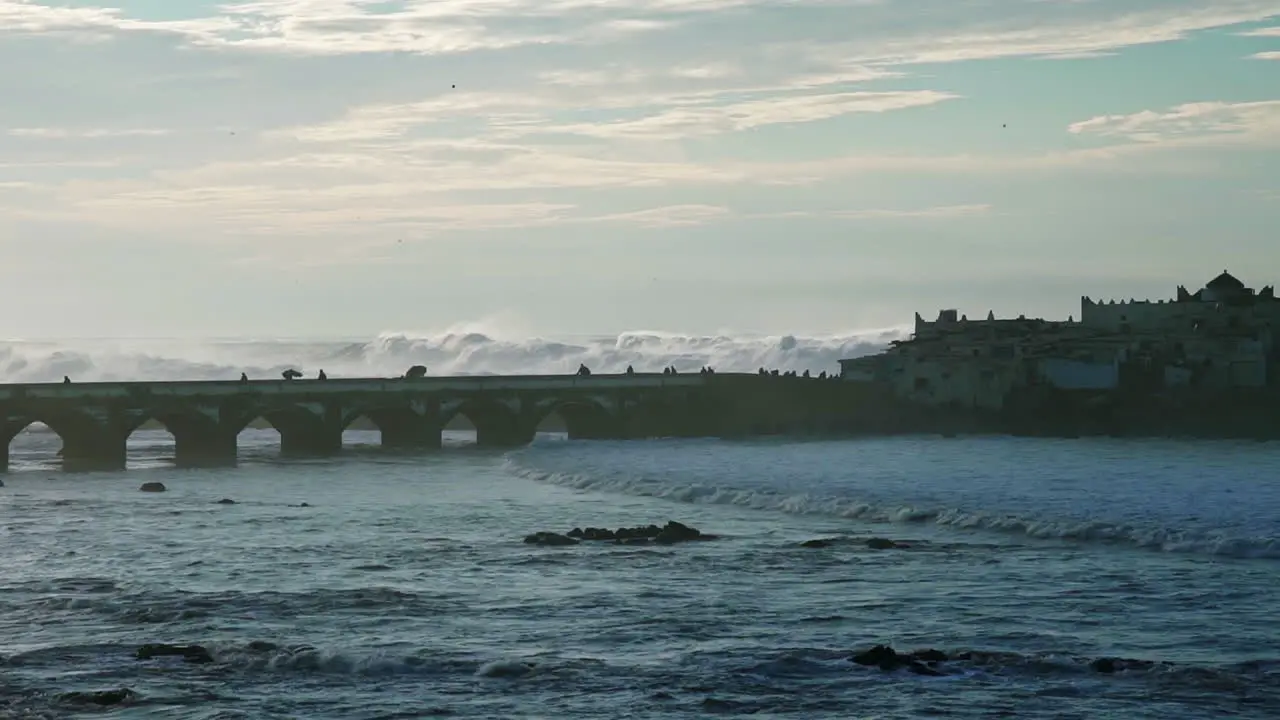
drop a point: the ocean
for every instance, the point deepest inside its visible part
(385, 585)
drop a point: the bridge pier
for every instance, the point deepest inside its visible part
(321, 441)
(408, 429)
(90, 451)
(204, 450)
(503, 435)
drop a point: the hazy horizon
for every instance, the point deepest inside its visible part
(308, 169)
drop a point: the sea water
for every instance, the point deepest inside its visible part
(402, 589)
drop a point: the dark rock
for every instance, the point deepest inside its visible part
(674, 532)
(816, 543)
(263, 646)
(1108, 665)
(879, 656)
(304, 504)
(635, 541)
(153, 487)
(929, 655)
(226, 501)
(592, 533)
(575, 533)
(1103, 665)
(100, 697)
(189, 653)
(549, 539)
(885, 544)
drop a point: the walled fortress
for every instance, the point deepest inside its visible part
(1216, 339)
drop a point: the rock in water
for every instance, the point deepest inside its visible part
(153, 487)
(226, 501)
(549, 538)
(100, 697)
(189, 653)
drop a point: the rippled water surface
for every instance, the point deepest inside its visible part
(402, 588)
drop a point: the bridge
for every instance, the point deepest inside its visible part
(95, 420)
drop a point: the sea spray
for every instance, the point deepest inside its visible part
(454, 352)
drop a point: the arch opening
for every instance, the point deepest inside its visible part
(577, 420)
(66, 441)
(289, 432)
(31, 444)
(482, 424)
(395, 428)
(179, 438)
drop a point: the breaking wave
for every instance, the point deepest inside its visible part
(462, 351)
(1155, 538)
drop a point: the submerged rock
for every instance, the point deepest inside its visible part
(820, 543)
(672, 532)
(879, 543)
(153, 487)
(505, 669)
(99, 697)
(920, 662)
(226, 501)
(549, 539)
(189, 653)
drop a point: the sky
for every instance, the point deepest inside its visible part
(338, 168)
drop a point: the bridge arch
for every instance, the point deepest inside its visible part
(198, 439)
(304, 431)
(496, 424)
(583, 418)
(86, 443)
(398, 426)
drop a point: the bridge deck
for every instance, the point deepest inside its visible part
(340, 386)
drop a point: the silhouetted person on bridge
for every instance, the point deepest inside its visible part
(583, 370)
(291, 374)
(631, 370)
(806, 373)
(66, 380)
(322, 376)
(244, 377)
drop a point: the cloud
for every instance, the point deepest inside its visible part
(1266, 56)
(65, 133)
(1263, 32)
(26, 17)
(1213, 122)
(707, 119)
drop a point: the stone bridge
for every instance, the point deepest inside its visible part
(94, 420)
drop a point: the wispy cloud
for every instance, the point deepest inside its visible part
(1213, 121)
(1274, 55)
(707, 119)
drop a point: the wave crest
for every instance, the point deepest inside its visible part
(1163, 539)
(462, 351)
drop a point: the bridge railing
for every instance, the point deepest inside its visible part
(336, 386)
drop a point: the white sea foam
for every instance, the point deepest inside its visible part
(457, 351)
(1157, 538)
